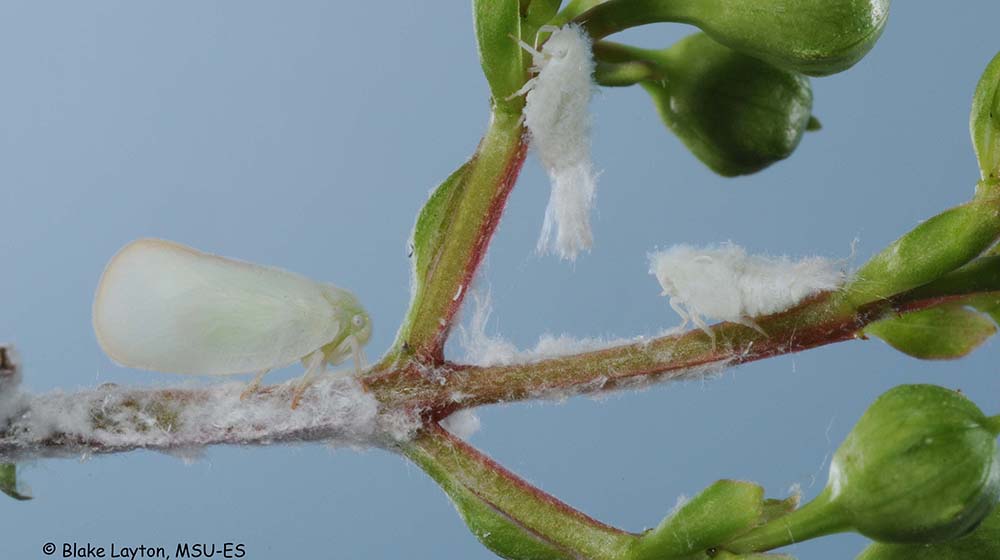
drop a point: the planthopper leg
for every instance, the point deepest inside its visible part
(749, 322)
(701, 324)
(524, 89)
(360, 361)
(253, 385)
(315, 363)
(676, 306)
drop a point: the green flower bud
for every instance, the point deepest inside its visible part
(984, 121)
(736, 113)
(981, 544)
(920, 466)
(816, 37)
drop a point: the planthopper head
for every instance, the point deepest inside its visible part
(355, 329)
(665, 266)
(565, 40)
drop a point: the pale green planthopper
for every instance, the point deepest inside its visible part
(166, 307)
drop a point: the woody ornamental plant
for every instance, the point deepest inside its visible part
(919, 474)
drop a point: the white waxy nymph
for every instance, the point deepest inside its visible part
(557, 115)
(166, 307)
(724, 282)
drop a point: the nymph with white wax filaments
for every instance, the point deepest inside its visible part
(724, 282)
(557, 114)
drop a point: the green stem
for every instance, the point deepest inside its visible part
(625, 65)
(821, 320)
(574, 9)
(610, 51)
(475, 199)
(816, 519)
(516, 510)
(814, 323)
(994, 424)
(618, 15)
(621, 74)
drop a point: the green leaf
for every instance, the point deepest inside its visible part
(979, 280)
(987, 303)
(981, 544)
(721, 512)
(984, 121)
(449, 234)
(498, 23)
(943, 332)
(815, 37)
(773, 509)
(736, 113)
(431, 228)
(8, 482)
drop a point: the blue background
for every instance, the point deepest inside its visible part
(307, 134)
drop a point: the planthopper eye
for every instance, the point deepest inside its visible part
(358, 321)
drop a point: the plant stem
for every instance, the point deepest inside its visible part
(816, 322)
(611, 17)
(994, 424)
(113, 419)
(610, 51)
(476, 206)
(573, 9)
(816, 519)
(438, 391)
(621, 74)
(465, 473)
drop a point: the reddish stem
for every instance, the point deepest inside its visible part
(433, 431)
(439, 392)
(478, 251)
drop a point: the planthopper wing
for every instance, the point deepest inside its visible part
(166, 307)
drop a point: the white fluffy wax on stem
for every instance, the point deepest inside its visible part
(485, 350)
(557, 115)
(462, 424)
(725, 283)
(113, 418)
